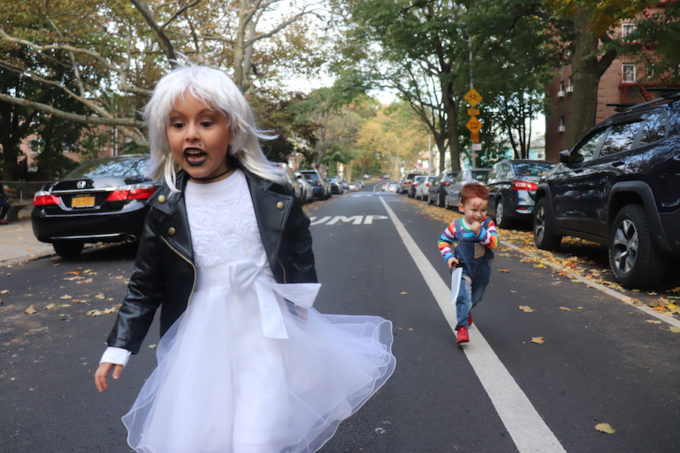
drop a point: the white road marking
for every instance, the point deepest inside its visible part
(526, 427)
(354, 220)
(602, 288)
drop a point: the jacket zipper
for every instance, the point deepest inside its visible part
(193, 286)
(283, 269)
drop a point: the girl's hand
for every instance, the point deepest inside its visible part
(452, 263)
(103, 371)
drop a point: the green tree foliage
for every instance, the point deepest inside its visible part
(656, 41)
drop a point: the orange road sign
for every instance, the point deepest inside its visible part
(474, 136)
(473, 112)
(473, 125)
(472, 97)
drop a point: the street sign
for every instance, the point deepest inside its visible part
(473, 125)
(472, 97)
(474, 136)
(473, 112)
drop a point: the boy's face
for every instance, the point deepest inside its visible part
(198, 137)
(474, 210)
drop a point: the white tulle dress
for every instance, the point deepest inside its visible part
(251, 367)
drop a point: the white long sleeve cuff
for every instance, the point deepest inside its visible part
(117, 356)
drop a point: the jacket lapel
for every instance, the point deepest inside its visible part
(271, 210)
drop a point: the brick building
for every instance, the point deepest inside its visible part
(626, 81)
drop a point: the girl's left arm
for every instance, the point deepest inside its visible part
(489, 236)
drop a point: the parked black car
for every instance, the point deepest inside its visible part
(620, 186)
(452, 197)
(437, 191)
(102, 200)
(512, 187)
(321, 188)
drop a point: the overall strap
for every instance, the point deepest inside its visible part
(458, 225)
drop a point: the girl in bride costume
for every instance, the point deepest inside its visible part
(245, 363)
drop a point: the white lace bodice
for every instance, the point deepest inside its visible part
(222, 222)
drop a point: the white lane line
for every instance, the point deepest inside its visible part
(525, 425)
(602, 288)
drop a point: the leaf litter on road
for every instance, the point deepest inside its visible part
(575, 260)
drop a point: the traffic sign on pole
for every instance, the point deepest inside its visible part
(472, 97)
(474, 136)
(473, 125)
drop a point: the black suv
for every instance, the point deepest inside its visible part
(620, 186)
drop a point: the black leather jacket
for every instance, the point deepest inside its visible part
(165, 273)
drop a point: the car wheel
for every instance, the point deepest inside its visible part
(544, 237)
(446, 201)
(68, 250)
(633, 259)
(429, 199)
(501, 222)
(438, 200)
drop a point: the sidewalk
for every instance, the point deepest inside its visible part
(17, 243)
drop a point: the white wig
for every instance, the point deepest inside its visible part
(216, 90)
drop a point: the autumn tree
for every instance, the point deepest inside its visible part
(114, 50)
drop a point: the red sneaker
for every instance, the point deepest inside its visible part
(463, 336)
(469, 319)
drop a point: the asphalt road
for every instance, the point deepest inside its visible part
(602, 361)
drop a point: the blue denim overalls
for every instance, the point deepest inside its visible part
(475, 259)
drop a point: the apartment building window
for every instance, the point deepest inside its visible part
(628, 73)
(626, 29)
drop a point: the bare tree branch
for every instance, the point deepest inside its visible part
(179, 13)
(84, 119)
(163, 39)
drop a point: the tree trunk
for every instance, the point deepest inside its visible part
(586, 73)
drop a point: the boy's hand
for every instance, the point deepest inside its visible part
(452, 263)
(476, 227)
(102, 371)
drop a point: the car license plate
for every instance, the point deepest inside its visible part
(82, 202)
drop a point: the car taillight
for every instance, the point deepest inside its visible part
(446, 183)
(407, 182)
(135, 193)
(523, 185)
(44, 199)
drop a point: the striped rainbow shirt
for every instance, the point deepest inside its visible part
(487, 236)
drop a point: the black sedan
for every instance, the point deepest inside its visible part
(437, 191)
(512, 188)
(103, 200)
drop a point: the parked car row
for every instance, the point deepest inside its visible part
(619, 186)
(104, 200)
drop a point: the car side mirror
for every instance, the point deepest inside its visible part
(564, 156)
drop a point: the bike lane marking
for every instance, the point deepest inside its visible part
(524, 424)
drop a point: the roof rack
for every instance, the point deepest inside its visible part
(620, 107)
(666, 95)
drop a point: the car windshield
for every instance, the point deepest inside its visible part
(114, 168)
(310, 176)
(479, 175)
(531, 168)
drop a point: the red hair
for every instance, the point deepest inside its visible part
(473, 190)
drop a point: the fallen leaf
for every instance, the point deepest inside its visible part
(65, 296)
(653, 321)
(4, 291)
(152, 346)
(31, 310)
(89, 280)
(100, 296)
(94, 313)
(403, 293)
(538, 340)
(565, 308)
(526, 308)
(505, 271)
(674, 329)
(50, 307)
(605, 428)
(539, 266)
